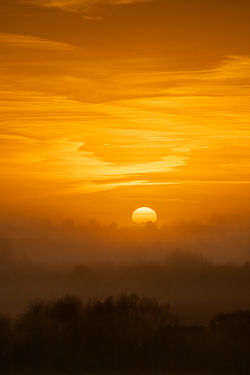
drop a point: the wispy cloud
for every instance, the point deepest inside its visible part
(30, 42)
(73, 5)
(93, 129)
(92, 18)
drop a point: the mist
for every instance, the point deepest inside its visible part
(222, 239)
(200, 269)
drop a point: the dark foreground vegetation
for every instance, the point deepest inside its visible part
(128, 333)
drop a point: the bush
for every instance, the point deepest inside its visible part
(67, 335)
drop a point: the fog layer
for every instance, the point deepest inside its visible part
(200, 269)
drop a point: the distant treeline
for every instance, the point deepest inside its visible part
(92, 241)
(127, 333)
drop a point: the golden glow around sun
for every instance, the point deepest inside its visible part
(143, 215)
(96, 119)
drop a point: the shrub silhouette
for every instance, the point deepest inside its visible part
(49, 332)
(127, 333)
(119, 328)
(237, 319)
(68, 335)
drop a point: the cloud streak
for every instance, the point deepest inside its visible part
(75, 5)
(90, 128)
(31, 42)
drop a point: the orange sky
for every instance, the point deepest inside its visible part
(109, 105)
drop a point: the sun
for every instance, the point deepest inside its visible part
(143, 215)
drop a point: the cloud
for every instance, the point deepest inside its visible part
(92, 18)
(192, 132)
(73, 5)
(30, 42)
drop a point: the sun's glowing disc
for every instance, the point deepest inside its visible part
(143, 215)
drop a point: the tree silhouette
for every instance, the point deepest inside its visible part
(127, 333)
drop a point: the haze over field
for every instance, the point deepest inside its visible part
(201, 269)
(220, 239)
